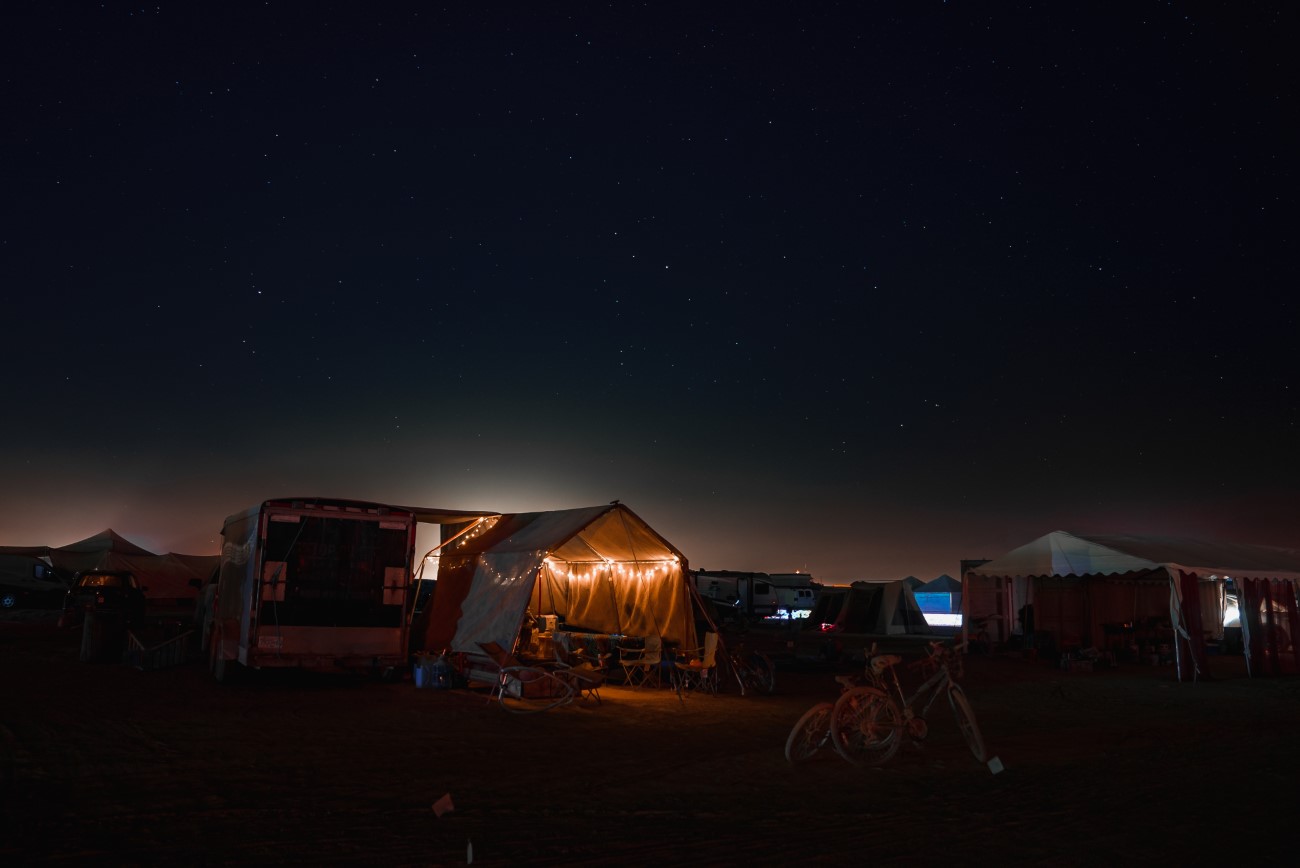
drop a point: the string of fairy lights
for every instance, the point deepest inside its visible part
(583, 571)
(573, 570)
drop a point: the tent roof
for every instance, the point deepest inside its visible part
(1061, 553)
(107, 540)
(166, 576)
(593, 533)
(944, 584)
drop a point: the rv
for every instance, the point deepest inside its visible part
(747, 594)
(796, 594)
(312, 584)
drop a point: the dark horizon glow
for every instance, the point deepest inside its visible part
(855, 291)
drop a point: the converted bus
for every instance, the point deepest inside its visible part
(313, 583)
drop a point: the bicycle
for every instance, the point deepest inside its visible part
(753, 670)
(812, 732)
(869, 724)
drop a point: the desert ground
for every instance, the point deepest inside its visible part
(110, 765)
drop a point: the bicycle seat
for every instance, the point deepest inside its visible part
(883, 662)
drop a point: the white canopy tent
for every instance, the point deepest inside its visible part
(1081, 583)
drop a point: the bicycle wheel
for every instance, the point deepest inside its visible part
(756, 673)
(966, 721)
(810, 734)
(866, 726)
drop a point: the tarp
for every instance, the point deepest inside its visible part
(599, 569)
(871, 608)
(1085, 587)
(165, 577)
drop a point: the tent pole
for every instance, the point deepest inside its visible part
(965, 611)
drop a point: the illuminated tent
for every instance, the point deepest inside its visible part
(599, 569)
(166, 577)
(940, 596)
(1087, 589)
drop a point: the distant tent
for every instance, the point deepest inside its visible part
(166, 577)
(940, 596)
(1097, 588)
(598, 569)
(913, 583)
(873, 608)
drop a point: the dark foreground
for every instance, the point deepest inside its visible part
(104, 764)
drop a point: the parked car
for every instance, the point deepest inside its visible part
(26, 583)
(105, 592)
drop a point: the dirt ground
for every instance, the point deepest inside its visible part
(107, 764)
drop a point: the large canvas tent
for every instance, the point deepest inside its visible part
(168, 577)
(598, 569)
(874, 608)
(1080, 588)
(847, 621)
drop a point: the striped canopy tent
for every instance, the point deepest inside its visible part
(1080, 587)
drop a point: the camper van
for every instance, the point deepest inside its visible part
(748, 594)
(796, 594)
(314, 584)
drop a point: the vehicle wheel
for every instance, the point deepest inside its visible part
(866, 726)
(810, 734)
(966, 722)
(8, 600)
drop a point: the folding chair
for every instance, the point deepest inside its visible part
(641, 665)
(522, 688)
(698, 669)
(581, 673)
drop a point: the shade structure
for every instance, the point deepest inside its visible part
(1079, 586)
(167, 576)
(598, 569)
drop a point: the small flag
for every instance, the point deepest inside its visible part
(443, 805)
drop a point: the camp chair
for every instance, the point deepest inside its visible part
(584, 678)
(584, 675)
(640, 665)
(523, 688)
(698, 669)
(503, 660)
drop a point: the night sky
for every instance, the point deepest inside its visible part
(856, 289)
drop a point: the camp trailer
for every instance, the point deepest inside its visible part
(313, 584)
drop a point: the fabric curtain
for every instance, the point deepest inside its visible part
(1189, 630)
(1269, 623)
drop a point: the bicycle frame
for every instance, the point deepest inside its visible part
(934, 685)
